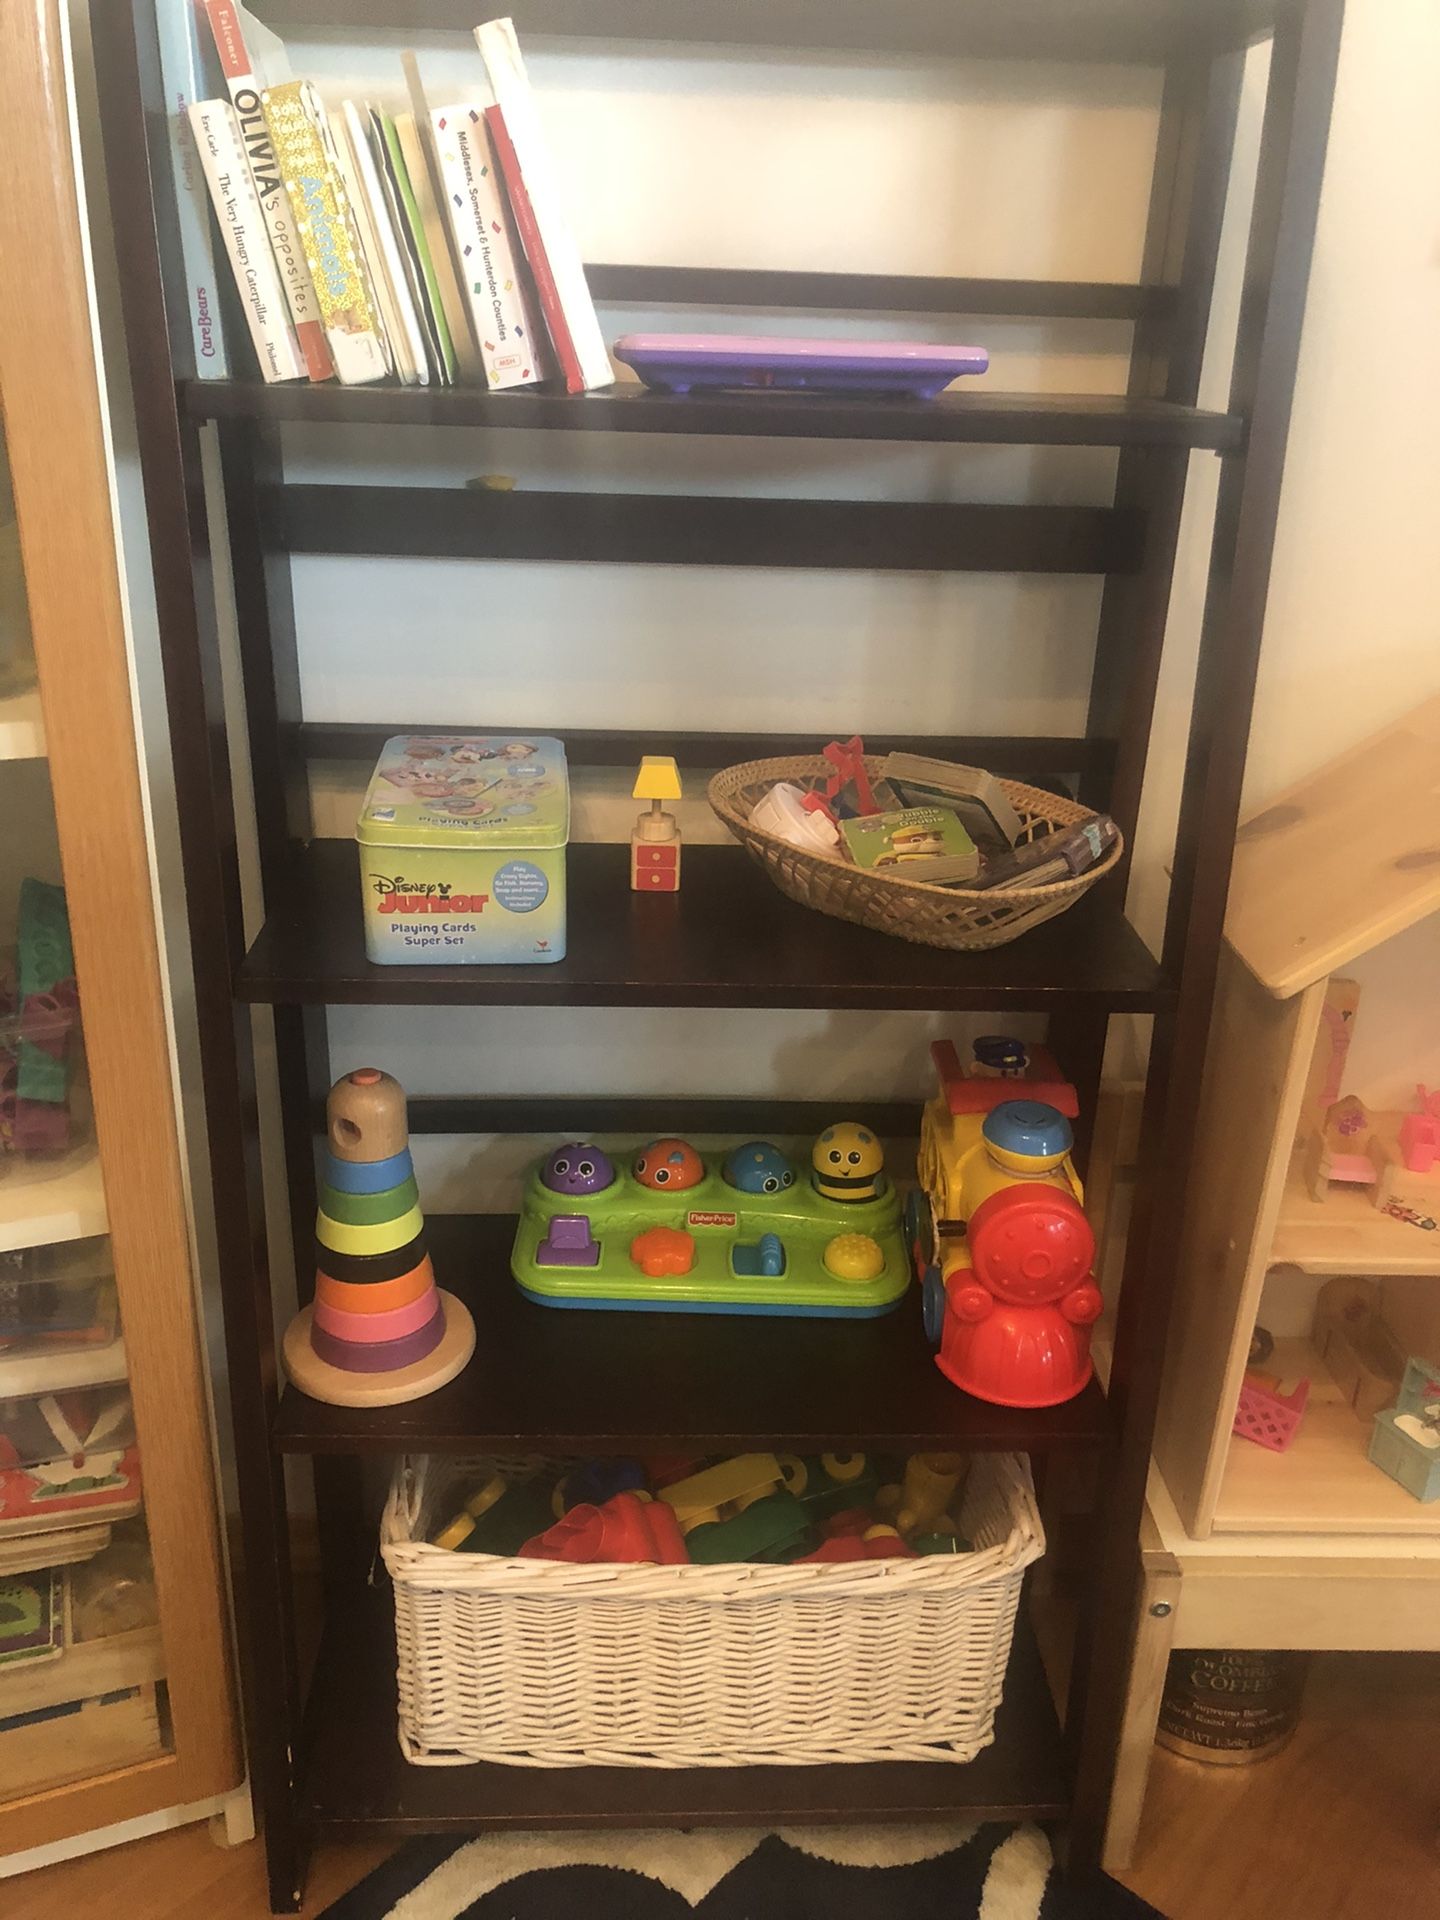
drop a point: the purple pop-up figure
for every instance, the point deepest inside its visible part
(578, 1168)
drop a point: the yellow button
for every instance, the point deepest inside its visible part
(854, 1256)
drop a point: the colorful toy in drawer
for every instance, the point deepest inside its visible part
(64, 1456)
(1405, 1442)
(674, 1230)
(462, 851)
(379, 1330)
(998, 1234)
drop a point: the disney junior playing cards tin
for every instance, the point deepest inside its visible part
(462, 851)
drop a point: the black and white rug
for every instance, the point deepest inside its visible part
(991, 1872)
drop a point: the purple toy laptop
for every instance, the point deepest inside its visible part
(676, 362)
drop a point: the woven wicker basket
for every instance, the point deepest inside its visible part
(537, 1663)
(912, 910)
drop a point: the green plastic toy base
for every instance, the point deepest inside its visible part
(718, 1217)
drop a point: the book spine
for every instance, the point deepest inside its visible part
(532, 245)
(513, 96)
(322, 220)
(232, 193)
(509, 339)
(243, 85)
(181, 77)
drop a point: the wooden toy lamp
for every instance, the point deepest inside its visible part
(655, 841)
(379, 1331)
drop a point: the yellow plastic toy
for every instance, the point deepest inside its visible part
(848, 1163)
(921, 1504)
(718, 1493)
(854, 1256)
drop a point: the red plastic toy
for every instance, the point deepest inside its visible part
(626, 1528)
(843, 1547)
(1016, 1330)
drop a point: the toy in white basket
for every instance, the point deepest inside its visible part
(783, 811)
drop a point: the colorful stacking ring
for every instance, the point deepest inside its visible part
(367, 1176)
(335, 1237)
(368, 1209)
(369, 1327)
(381, 1356)
(379, 1296)
(365, 1269)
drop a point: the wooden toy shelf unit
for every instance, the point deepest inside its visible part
(326, 1757)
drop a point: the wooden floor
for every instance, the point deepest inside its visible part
(1344, 1825)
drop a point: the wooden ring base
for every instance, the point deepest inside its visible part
(340, 1389)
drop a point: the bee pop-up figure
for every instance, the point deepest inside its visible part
(655, 841)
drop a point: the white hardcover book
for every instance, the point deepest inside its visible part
(511, 345)
(501, 50)
(183, 79)
(387, 269)
(242, 45)
(247, 239)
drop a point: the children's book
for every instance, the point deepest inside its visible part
(977, 796)
(182, 75)
(919, 843)
(244, 48)
(415, 248)
(417, 144)
(380, 245)
(538, 204)
(247, 240)
(511, 343)
(305, 154)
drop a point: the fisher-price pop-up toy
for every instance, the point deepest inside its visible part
(380, 1331)
(1001, 1245)
(673, 1230)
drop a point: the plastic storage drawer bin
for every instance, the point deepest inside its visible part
(539, 1663)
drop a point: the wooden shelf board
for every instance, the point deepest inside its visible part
(562, 1381)
(1325, 1483)
(1135, 30)
(1341, 861)
(728, 939)
(974, 418)
(44, 1201)
(1347, 1233)
(22, 729)
(355, 1778)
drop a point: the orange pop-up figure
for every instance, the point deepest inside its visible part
(655, 841)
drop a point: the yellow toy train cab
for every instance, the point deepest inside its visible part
(964, 1158)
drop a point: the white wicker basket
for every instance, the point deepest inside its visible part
(537, 1663)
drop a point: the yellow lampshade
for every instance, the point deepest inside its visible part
(658, 778)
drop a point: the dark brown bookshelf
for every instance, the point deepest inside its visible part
(566, 1380)
(977, 418)
(727, 939)
(355, 1780)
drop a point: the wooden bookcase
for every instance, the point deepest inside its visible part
(70, 745)
(325, 1757)
(1324, 873)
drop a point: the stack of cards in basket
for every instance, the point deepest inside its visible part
(379, 1330)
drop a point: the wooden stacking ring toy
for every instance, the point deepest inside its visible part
(379, 1330)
